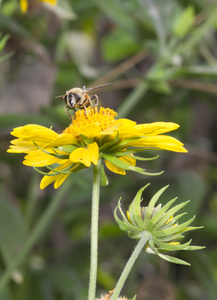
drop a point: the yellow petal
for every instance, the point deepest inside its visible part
(86, 155)
(40, 159)
(46, 180)
(156, 128)
(20, 146)
(117, 170)
(34, 133)
(62, 139)
(90, 130)
(53, 2)
(126, 128)
(160, 141)
(114, 169)
(60, 179)
(130, 160)
(23, 5)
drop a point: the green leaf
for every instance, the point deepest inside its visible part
(184, 22)
(117, 13)
(12, 230)
(154, 12)
(125, 46)
(10, 24)
(3, 41)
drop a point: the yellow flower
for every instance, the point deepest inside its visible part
(24, 4)
(98, 135)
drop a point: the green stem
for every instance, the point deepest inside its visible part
(34, 235)
(140, 246)
(94, 231)
(131, 101)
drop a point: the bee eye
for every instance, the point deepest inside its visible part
(72, 99)
(76, 97)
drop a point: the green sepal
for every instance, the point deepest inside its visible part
(127, 154)
(103, 177)
(68, 148)
(173, 259)
(174, 230)
(192, 248)
(134, 209)
(173, 221)
(85, 140)
(152, 203)
(60, 156)
(169, 246)
(65, 148)
(78, 168)
(190, 228)
(109, 144)
(134, 298)
(55, 172)
(123, 165)
(124, 142)
(136, 235)
(159, 219)
(124, 225)
(166, 257)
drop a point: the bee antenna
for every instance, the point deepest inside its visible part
(58, 97)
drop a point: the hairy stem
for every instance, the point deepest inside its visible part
(94, 231)
(140, 246)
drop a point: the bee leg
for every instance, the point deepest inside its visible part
(94, 97)
(85, 111)
(68, 114)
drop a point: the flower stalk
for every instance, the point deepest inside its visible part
(94, 231)
(140, 246)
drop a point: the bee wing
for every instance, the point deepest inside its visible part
(94, 88)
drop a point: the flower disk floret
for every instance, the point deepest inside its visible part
(90, 137)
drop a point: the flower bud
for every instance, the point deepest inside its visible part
(159, 222)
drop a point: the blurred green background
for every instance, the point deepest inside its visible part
(161, 58)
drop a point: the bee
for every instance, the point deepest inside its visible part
(79, 98)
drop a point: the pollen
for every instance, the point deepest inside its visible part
(104, 118)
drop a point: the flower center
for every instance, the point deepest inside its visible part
(104, 118)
